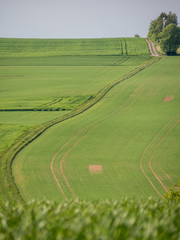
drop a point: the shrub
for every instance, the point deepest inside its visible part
(174, 192)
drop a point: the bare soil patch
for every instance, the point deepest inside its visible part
(168, 98)
(95, 169)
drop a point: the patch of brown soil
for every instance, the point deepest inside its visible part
(168, 98)
(95, 169)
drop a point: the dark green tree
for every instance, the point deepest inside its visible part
(136, 36)
(170, 39)
(171, 18)
(157, 25)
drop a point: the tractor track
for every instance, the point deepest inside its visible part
(65, 155)
(149, 161)
(53, 158)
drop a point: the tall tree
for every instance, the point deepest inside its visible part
(157, 25)
(171, 18)
(170, 39)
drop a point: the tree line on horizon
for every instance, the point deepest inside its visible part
(165, 31)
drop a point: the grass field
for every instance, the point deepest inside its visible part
(71, 47)
(40, 80)
(89, 120)
(125, 145)
(13, 124)
(40, 88)
(125, 133)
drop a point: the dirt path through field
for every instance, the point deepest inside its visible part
(152, 48)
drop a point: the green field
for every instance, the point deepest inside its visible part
(70, 47)
(126, 144)
(52, 88)
(44, 80)
(119, 133)
(88, 120)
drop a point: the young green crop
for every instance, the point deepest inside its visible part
(46, 74)
(71, 47)
(10, 190)
(127, 133)
(106, 220)
(54, 104)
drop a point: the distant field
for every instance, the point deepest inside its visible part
(123, 135)
(65, 47)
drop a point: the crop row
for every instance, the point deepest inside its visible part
(125, 219)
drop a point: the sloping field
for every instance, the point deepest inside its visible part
(44, 80)
(51, 82)
(125, 145)
(70, 47)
